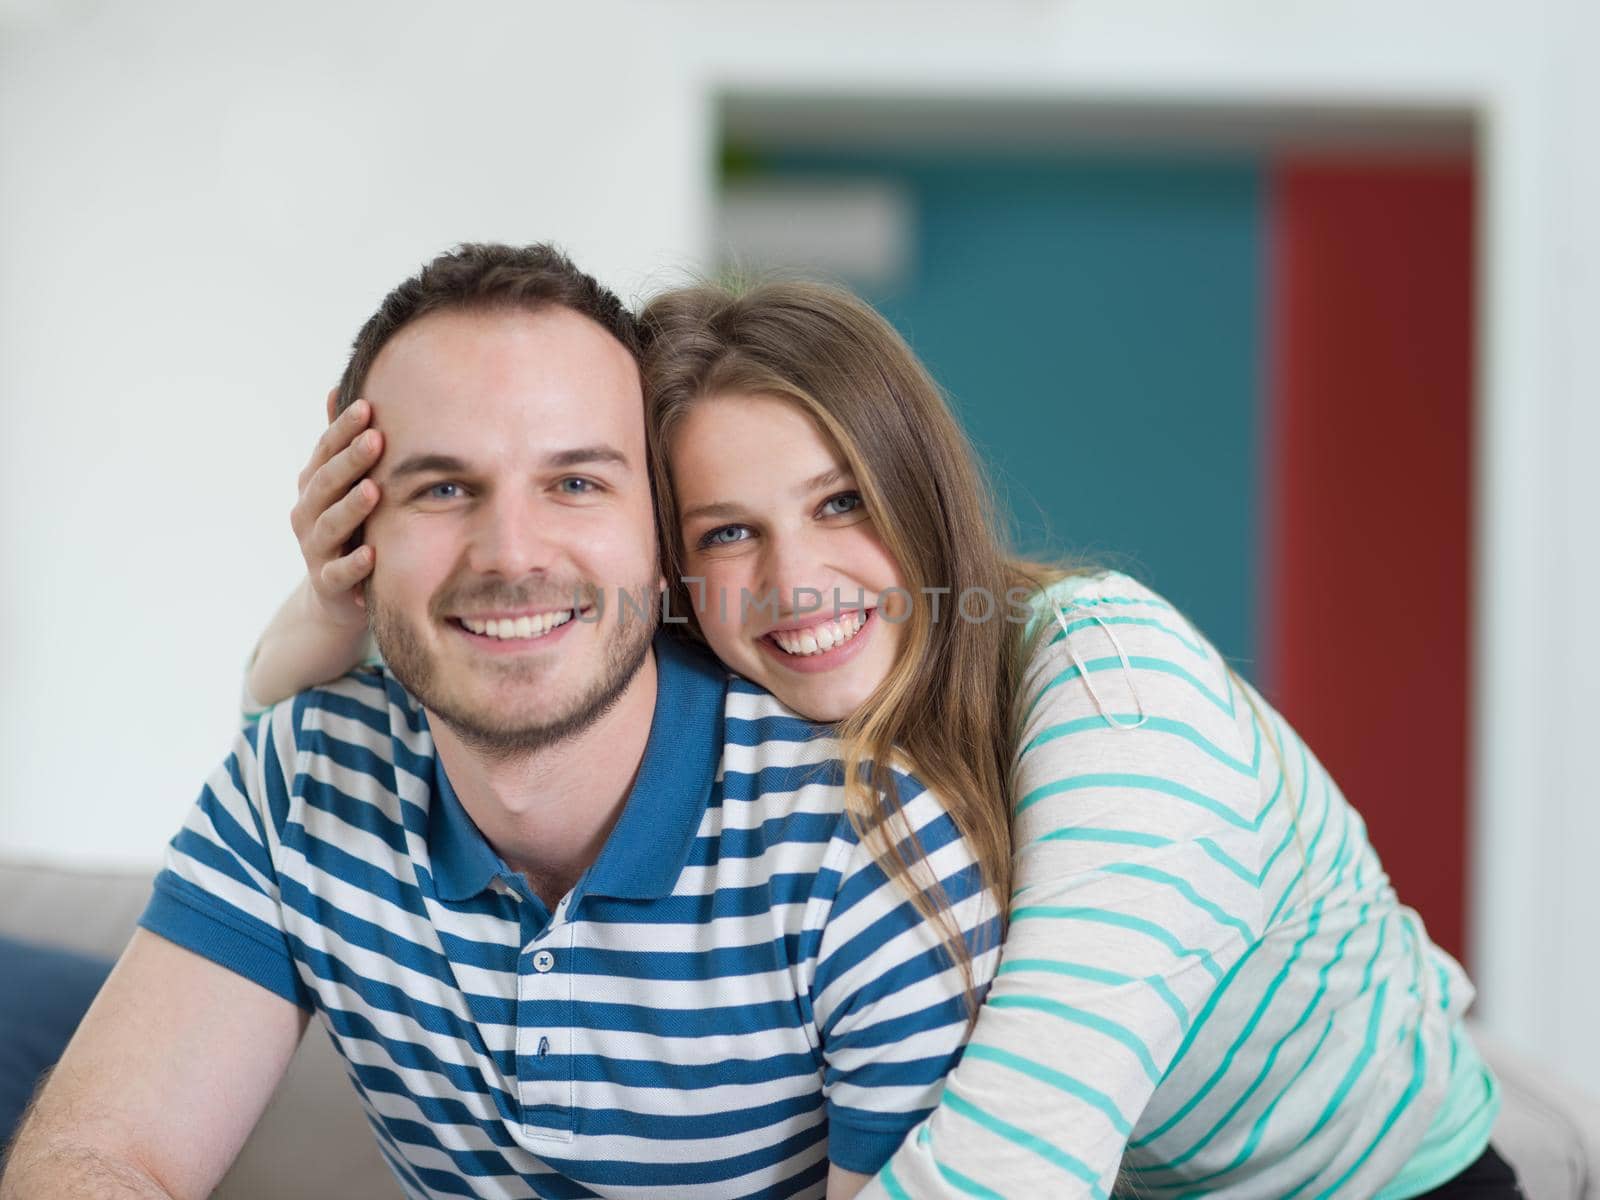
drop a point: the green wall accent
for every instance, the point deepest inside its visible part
(1098, 325)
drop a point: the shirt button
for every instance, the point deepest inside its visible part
(543, 961)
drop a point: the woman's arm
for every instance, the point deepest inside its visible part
(842, 1184)
(321, 630)
(299, 649)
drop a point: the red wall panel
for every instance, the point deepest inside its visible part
(1368, 486)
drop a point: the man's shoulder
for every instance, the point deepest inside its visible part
(778, 751)
(366, 707)
(753, 716)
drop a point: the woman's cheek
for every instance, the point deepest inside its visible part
(717, 601)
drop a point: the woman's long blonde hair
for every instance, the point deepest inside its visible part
(947, 704)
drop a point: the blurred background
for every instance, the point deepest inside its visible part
(1286, 308)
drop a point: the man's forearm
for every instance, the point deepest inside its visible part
(46, 1164)
(61, 1172)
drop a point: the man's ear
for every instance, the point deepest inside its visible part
(333, 398)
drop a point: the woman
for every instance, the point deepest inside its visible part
(1207, 980)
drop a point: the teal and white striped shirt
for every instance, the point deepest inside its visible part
(1208, 980)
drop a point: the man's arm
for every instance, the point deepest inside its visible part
(162, 1083)
(889, 1003)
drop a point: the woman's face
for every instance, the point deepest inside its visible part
(772, 521)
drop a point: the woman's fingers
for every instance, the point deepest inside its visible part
(339, 521)
(342, 574)
(339, 434)
(334, 481)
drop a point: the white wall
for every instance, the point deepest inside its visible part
(199, 203)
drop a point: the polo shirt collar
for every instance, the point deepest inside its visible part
(650, 843)
(460, 857)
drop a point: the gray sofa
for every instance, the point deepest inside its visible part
(314, 1140)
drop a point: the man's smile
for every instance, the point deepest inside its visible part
(516, 630)
(524, 626)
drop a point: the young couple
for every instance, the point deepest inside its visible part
(592, 912)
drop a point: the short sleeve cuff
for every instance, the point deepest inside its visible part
(192, 918)
(862, 1141)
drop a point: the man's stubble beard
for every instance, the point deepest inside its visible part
(408, 661)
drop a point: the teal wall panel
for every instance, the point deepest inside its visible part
(1098, 326)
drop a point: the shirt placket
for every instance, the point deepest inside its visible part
(545, 1000)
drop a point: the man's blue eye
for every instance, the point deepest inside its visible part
(844, 502)
(444, 491)
(724, 535)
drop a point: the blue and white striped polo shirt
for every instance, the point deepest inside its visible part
(732, 995)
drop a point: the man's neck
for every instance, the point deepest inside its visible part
(548, 813)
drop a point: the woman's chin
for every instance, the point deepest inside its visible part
(827, 715)
(826, 697)
(819, 703)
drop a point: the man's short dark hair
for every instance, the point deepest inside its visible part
(486, 277)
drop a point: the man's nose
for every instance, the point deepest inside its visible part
(511, 538)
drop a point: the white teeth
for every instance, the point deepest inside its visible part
(518, 627)
(820, 638)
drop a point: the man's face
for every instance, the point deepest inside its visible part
(515, 508)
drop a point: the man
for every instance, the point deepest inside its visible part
(574, 935)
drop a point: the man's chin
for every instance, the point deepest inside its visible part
(503, 732)
(500, 722)
(499, 734)
(511, 705)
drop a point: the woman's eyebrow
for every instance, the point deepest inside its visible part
(831, 476)
(718, 508)
(727, 508)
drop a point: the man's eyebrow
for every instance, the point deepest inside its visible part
(449, 464)
(582, 456)
(428, 464)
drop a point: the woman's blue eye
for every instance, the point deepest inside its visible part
(724, 535)
(576, 486)
(844, 502)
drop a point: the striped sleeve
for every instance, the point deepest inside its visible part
(217, 893)
(1137, 889)
(889, 1005)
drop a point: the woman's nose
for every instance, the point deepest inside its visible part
(797, 576)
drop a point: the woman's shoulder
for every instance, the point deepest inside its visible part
(1113, 600)
(1091, 586)
(1105, 625)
